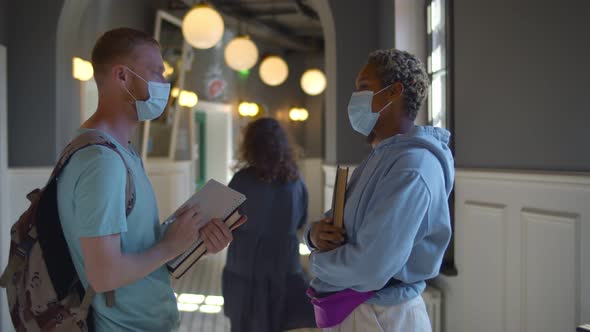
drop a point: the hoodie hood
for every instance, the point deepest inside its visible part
(436, 140)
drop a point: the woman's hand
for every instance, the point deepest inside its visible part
(325, 236)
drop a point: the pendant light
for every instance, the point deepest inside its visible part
(81, 69)
(241, 53)
(247, 109)
(202, 27)
(273, 70)
(298, 114)
(313, 82)
(187, 98)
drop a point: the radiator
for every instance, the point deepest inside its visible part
(432, 297)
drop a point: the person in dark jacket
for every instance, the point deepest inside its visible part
(263, 282)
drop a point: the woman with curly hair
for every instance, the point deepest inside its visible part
(396, 216)
(263, 283)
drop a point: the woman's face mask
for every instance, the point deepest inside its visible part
(360, 112)
(155, 105)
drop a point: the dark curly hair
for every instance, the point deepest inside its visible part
(400, 66)
(267, 150)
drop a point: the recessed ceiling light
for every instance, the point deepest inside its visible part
(214, 300)
(188, 307)
(210, 309)
(191, 298)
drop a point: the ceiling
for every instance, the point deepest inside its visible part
(291, 24)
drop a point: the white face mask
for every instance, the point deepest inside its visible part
(360, 111)
(155, 105)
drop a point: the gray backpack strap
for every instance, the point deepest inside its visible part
(83, 141)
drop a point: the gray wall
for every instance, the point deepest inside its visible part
(3, 22)
(314, 126)
(31, 82)
(101, 16)
(91, 19)
(44, 111)
(356, 36)
(387, 21)
(276, 101)
(358, 31)
(39, 68)
(521, 84)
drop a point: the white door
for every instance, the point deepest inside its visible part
(218, 140)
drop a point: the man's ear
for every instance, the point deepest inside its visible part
(119, 73)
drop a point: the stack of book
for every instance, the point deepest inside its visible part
(215, 201)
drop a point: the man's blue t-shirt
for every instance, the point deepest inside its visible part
(91, 201)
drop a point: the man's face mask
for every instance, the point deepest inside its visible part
(360, 113)
(155, 105)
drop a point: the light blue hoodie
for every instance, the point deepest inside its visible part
(396, 218)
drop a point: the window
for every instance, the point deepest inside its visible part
(438, 29)
(437, 63)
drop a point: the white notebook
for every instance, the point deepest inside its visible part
(216, 201)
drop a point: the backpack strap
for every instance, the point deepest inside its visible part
(89, 296)
(87, 301)
(83, 141)
(96, 138)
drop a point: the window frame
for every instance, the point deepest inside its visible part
(448, 266)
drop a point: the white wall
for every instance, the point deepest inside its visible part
(520, 251)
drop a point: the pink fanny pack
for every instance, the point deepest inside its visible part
(332, 309)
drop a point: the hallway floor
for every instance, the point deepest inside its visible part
(200, 300)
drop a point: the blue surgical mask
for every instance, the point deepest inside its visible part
(155, 105)
(360, 111)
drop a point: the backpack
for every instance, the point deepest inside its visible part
(43, 289)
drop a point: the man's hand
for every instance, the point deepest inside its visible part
(216, 235)
(182, 233)
(325, 236)
(108, 268)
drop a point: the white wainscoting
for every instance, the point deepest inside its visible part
(311, 171)
(329, 179)
(21, 181)
(173, 183)
(522, 253)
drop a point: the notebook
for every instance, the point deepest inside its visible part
(215, 201)
(339, 196)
